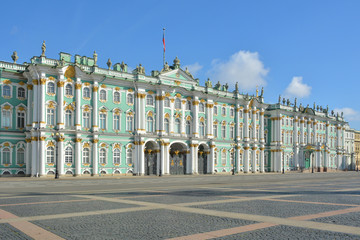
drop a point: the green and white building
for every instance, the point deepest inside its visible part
(75, 118)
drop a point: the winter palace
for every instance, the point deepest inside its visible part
(71, 118)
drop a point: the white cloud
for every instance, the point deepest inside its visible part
(297, 88)
(193, 68)
(349, 113)
(243, 67)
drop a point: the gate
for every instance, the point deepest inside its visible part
(202, 162)
(150, 164)
(177, 164)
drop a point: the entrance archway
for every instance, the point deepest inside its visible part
(151, 152)
(203, 159)
(178, 153)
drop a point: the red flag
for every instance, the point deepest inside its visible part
(164, 41)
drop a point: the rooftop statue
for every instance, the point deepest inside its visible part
(109, 63)
(236, 87)
(295, 102)
(257, 91)
(14, 56)
(95, 56)
(314, 106)
(225, 87)
(166, 68)
(188, 73)
(43, 49)
(176, 63)
(332, 112)
(288, 102)
(208, 83)
(140, 69)
(262, 92)
(279, 98)
(284, 101)
(342, 114)
(217, 86)
(123, 67)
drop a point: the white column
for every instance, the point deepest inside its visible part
(254, 124)
(140, 118)
(35, 103)
(28, 156)
(194, 157)
(34, 155)
(41, 105)
(309, 131)
(262, 140)
(159, 113)
(237, 119)
(78, 104)
(42, 156)
(209, 119)
(29, 107)
(237, 158)
(262, 159)
(141, 157)
(246, 126)
(196, 117)
(253, 159)
(302, 121)
(167, 158)
(60, 107)
(78, 155)
(212, 162)
(95, 107)
(60, 160)
(246, 158)
(183, 119)
(95, 156)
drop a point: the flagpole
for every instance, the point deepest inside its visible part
(164, 47)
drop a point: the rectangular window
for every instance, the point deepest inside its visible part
(117, 122)
(215, 130)
(102, 121)
(50, 118)
(86, 120)
(215, 110)
(6, 119)
(223, 131)
(20, 119)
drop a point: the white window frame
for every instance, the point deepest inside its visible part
(117, 156)
(69, 157)
(114, 98)
(51, 156)
(18, 158)
(103, 95)
(3, 91)
(149, 100)
(67, 90)
(48, 88)
(117, 122)
(3, 155)
(130, 99)
(6, 118)
(102, 156)
(24, 93)
(84, 91)
(85, 158)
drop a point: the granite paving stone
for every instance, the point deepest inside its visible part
(9, 232)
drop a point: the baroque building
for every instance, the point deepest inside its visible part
(75, 118)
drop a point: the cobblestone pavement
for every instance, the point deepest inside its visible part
(253, 206)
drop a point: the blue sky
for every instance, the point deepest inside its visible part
(304, 49)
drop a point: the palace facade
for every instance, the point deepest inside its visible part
(75, 118)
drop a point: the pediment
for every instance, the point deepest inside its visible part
(177, 74)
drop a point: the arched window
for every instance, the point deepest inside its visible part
(129, 156)
(130, 99)
(129, 123)
(102, 156)
(51, 88)
(86, 92)
(86, 120)
(188, 105)
(68, 155)
(20, 156)
(50, 155)
(149, 124)
(177, 103)
(232, 132)
(167, 102)
(223, 158)
(232, 113)
(103, 95)
(6, 91)
(188, 127)
(201, 129)
(241, 113)
(215, 130)
(149, 100)
(68, 118)
(177, 125)
(215, 110)
(223, 111)
(21, 119)
(6, 156)
(166, 125)
(21, 92)
(116, 97)
(241, 132)
(201, 107)
(86, 156)
(102, 120)
(50, 117)
(68, 90)
(116, 156)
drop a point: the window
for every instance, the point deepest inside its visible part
(21, 92)
(188, 127)
(20, 156)
(86, 156)
(177, 103)
(86, 120)
(102, 121)
(167, 102)
(86, 92)
(51, 88)
(116, 122)
(166, 125)
(223, 158)
(201, 107)
(128, 156)
(241, 132)
(215, 110)
(50, 155)
(68, 155)
(232, 156)
(188, 105)
(149, 124)
(215, 157)
(116, 156)
(223, 111)
(232, 132)
(68, 90)
(149, 100)
(50, 117)
(201, 129)
(6, 91)
(68, 118)
(6, 156)
(265, 137)
(116, 97)
(20, 119)
(223, 131)
(177, 125)
(232, 113)
(102, 95)
(129, 123)
(6, 118)
(215, 130)
(241, 113)
(102, 156)
(130, 99)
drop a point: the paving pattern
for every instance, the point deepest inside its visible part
(254, 206)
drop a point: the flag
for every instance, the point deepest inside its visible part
(164, 41)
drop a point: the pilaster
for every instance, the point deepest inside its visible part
(196, 117)
(60, 159)
(29, 108)
(60, 108)
(42, 157)
(41, 105)
(95, 107)
(78, 155)
(35, 103)
(78, 104)
(95, 155)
